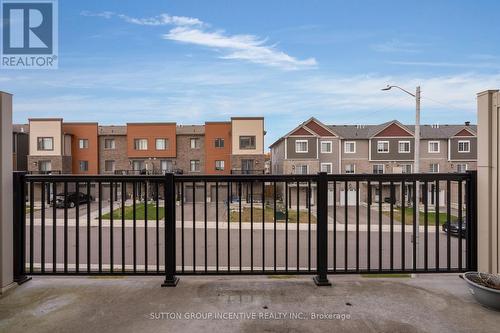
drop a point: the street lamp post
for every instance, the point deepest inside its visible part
(417, 156)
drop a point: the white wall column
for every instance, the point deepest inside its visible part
(488, 181)
(6, 237)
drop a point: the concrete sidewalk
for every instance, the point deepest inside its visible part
(427, 303)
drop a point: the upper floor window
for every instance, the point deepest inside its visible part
(84, 165)
(404, 146)
(83, 143)
(349, 147)
(350, 168)
(166, 166)
(138, 165)
(378, 168)
(161, 144)
(195, 143)
(109, 166)
(141, 144)
(219, 143)
(194, 166)
(44, 166)
(219, 165)
(301, 146)
(326, 147)
(109, 144)
(301, 169)
(45, 143)
(383, 146)
(434, 147)
(462, 167)
(406, 168)
(247, 142)
(464, 146)
(434, 167)
(326, 167)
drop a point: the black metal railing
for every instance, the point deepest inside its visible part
(279, 224)
(247, 172)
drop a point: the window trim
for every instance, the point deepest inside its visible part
(166, 161)
(110, 139)
(468, 146)
(327, 163)
(321, 146)
(409, 147)
(195, 146)
(191, 163)
(354, 168)
(429, 147)
(346, 143)
(41, 138)
(139, 139)
(220, 140)
(307, 146)
(252, 147)
(438, 167)
(83, 140)
(80, 165)
(383, 168)
(220, 168)
(405, 164)
(301, 165)
(383, 142)
(165, 140)
(114, 165)
(40, 162)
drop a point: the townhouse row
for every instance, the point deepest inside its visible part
(54, 146)
(313, 146)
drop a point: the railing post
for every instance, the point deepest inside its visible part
(19, 227)
(471, 222)
(322, 231)
(170, 226)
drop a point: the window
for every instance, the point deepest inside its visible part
(350, 168)
(141, 144)
(404, 146)
(44, 166)
(161, 144)
(138, 165)
(326, 167)
(247, 142)
(301, 170)
(406, 168)
(464, 146)
(433, 147)
(219, 143)
(301, 146)
(83, 143)
(383, 146)
(462, 167)
(434, 167)
(378, 168)
(194, 166)
(349, 147)
(45, 143)
(109, 144)
(84, 165)
(219, 165)
(166, 166)
(326, 147)
(195, 143)
(109, 166)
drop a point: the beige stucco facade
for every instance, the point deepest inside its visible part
(247, 127)
(488, 201)
(50, 128)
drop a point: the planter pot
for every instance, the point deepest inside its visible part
(487, 296)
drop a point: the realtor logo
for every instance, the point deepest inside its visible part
(29, 34)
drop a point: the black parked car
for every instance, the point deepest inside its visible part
(453, 228)
(71, 199)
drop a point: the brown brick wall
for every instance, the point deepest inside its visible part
(185, 154)
(118, 154)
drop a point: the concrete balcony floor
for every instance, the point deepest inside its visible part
(426, 303)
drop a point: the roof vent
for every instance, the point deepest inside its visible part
(435, 125)
(467, 123)
(360, 126)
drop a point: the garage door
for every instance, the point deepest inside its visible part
(351, 197)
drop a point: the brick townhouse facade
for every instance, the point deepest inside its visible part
(386, 148)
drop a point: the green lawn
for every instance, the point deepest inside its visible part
(431, 216)
(139, 212)
(269, 215)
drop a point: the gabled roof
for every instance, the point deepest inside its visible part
(396, 126)
(310, 127)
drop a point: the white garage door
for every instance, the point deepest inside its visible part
(330, 197)
(351, 197)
